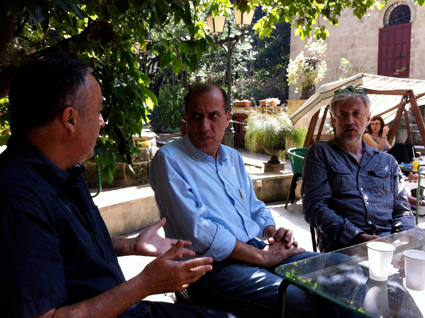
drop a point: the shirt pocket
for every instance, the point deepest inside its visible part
(380, 181)
(340, 179)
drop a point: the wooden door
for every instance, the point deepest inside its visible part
(394, 50)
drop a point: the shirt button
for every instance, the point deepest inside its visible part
(369, 222)
(361, 189)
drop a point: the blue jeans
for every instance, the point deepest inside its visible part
(149, 309)
(248, 290)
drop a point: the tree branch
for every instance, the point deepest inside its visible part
(100, 31)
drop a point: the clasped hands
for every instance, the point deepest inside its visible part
(282, 245)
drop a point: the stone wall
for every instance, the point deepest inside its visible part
(357, 41)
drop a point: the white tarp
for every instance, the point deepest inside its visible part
(379, 103)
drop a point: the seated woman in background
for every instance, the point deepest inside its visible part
(376, 136)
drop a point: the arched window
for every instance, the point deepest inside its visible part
(398, 13)
(394, 41)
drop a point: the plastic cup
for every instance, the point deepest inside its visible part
(415, 164)
(414, 266)
(380, 255)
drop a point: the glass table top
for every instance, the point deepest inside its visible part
(343, 277)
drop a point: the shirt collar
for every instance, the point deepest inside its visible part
(222, 153)
(52, 177)
(366, 148)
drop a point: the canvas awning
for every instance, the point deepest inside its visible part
(388, 95)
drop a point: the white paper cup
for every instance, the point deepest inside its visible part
(380, 255)
(414, 266)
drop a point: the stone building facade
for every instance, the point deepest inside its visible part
(359, 41)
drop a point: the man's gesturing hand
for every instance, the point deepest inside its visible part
(150, 243)
(166, 275)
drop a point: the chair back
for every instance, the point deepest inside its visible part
(296, 156)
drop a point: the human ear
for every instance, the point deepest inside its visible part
(68, 118)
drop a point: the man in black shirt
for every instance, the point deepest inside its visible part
(57, 258)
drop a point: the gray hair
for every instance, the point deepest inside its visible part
(347, 94)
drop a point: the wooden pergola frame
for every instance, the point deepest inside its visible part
(407, 96)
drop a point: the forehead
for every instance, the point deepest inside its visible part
(351, 104)
(95, 93)
(206, 101)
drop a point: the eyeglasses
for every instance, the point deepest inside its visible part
(353, 89)
(375, 124)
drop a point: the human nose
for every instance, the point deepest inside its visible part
(102, 122)
(350, 119)
(205, 124)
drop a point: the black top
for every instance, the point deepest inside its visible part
(55, 249)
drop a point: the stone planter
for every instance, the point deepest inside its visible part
(307, 92)
(401, 135)
(274, 152)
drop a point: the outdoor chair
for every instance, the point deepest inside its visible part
(419, 194)
(296, 156)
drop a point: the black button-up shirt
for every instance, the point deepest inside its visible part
(342, 198)
(55, 249)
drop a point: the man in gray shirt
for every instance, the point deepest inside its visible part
(352, 193)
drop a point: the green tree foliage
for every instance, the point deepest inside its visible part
(105, 33)
(170, 109)
(269, 69)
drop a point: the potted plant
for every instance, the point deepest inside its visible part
(308, 68)
(270, 132)
(269, 102)
(242, 103)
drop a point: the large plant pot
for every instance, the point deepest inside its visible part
(274, 159)
(243, 104)
(307, 92)
(264, 103)
(401, 135)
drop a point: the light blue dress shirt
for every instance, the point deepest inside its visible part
(210, 203)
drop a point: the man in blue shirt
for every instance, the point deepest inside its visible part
(57, 258)
(352, 193)
(204, 191)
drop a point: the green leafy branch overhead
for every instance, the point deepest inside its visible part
(127, 44)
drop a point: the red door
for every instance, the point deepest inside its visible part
(394, 50)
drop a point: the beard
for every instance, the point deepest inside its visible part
(350, 137)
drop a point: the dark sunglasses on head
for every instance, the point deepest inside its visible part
(353, 89)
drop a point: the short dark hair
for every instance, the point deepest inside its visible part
(200, 88)
(44, 86)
